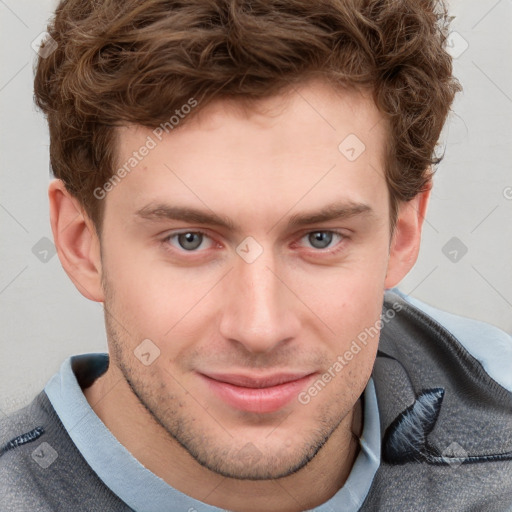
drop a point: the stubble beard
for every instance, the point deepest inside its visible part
(222, 454)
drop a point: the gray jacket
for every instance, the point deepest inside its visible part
(446, 434)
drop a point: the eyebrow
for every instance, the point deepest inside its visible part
(335, 211)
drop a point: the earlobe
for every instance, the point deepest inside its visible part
(405, 244)
(76, 241)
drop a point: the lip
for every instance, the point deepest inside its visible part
(264, 394)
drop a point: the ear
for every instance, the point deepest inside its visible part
(405, 244)
(76, 241)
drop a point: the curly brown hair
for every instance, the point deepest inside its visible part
(120, 62)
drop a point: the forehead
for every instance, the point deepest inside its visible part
(308, 146)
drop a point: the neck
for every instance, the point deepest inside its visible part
(113, 401)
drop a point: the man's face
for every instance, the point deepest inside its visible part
(248, 315)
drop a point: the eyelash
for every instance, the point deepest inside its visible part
(327, 251)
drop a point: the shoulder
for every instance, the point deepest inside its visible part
(489, 345)
(42, 469)
(22, 447)
(444, 392)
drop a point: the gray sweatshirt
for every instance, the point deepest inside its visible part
(445, 423)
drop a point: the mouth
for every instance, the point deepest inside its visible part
(265, 394)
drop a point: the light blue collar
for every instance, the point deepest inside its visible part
(143, 491)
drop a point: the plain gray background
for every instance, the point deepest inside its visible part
(44, 319)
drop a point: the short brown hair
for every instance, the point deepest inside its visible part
(122, 62)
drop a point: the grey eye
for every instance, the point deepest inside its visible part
(320, 239)
(190, 241)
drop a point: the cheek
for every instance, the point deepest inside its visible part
(138, 296)
(152, 300)
(348, 298)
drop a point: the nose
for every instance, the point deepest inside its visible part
(258, 309)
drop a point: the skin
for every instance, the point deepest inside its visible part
(294, 309)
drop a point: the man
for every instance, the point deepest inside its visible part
(243, 184)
